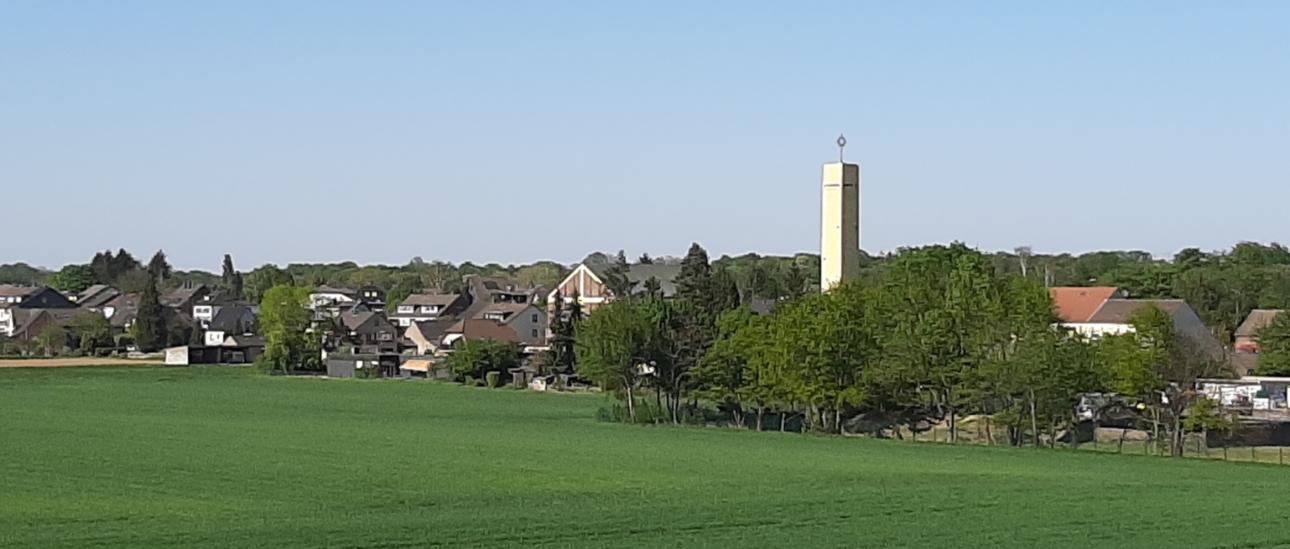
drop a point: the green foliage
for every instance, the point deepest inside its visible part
(51, 340)
(92, 331)
(264, 277)
(22, 274)
(231, 279)
(285, 322)
(158, 267)
(611, 347)
(150, 332)
(477, 357)
(72, 279)
(1274, 343)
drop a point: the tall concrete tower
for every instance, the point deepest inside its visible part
(839, 222)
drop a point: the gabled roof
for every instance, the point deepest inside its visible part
(637, 274)
(506, 309)
(363, 320)
(325, 289)
(233, 318)
(484, 329)
(10, 290)
(440, 300)
(1079, 304)
(1257, 320)
(96, 295)
(1120, 311)
(183, 295)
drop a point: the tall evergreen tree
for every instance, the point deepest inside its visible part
(158, 267)
(231, 278)
(645, 259)
(695, 278)
(122, 263)
(150, 322)
(616, 276)
(724, 292)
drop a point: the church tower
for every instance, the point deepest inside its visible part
(839, 222)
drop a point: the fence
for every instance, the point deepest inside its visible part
(1112, 441)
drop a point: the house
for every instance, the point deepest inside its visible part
(479, 329)
(332, 299)
(427, 307)
(230, 320)
(185, 297)
(372, 297)
(17, 298)
(121, 311)
(586, 283)
(96, 296)
(1247, 334)
(233, 350)
(428, 335)
(1076, 305)
(28, 324)
(368, 330)
(525, 319)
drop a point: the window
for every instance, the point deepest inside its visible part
(535, 317)
(534, 332)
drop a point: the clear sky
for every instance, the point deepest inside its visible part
(515, 131)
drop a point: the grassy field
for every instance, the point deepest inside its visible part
(147, 457)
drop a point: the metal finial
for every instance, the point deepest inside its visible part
(842, 144)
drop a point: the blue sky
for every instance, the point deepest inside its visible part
(515, 131)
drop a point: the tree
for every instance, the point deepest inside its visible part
(645, 259)
(477, 357)
(724, 372)
(231, 279)
(616, 280)
(266, 276)
(51, 339)
(562, 355)
(92, 331)
(150, 321)
(1274, 347)
(695, 278)
(652, 288)
(611, 346)
(1158, 365)
(285, 321)
(158, 267)
(723, 292)
(73, 279)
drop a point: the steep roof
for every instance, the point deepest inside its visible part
(1079, 304)
(1257, 320)
(637, 274)
(96, 296)
(440, 300)
(183, 295)
(233, 318)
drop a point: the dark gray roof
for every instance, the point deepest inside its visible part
(442, 300)
(10, 290)
(1119, 311)
(96, 295)
(637, 274)
(233, 318)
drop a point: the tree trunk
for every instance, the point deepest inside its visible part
(837, 421)
(1034, 419)
(658, 402)
(989, 438)
(760, 412)
(631, 403)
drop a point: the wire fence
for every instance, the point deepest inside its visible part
(1112, 441)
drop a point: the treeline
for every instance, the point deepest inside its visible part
(930, 334)
(1222, 286)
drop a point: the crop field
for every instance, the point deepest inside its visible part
(212, 457)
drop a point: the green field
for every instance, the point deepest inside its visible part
(214, 457)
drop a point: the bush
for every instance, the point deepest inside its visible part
(468, 380)
(492, 379)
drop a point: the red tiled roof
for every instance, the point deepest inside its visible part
(1079, 304)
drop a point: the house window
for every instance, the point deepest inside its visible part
(535, 317)
(535, 332)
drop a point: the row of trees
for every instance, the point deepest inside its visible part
(934, 334)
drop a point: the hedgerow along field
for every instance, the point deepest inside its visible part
(212, 457)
